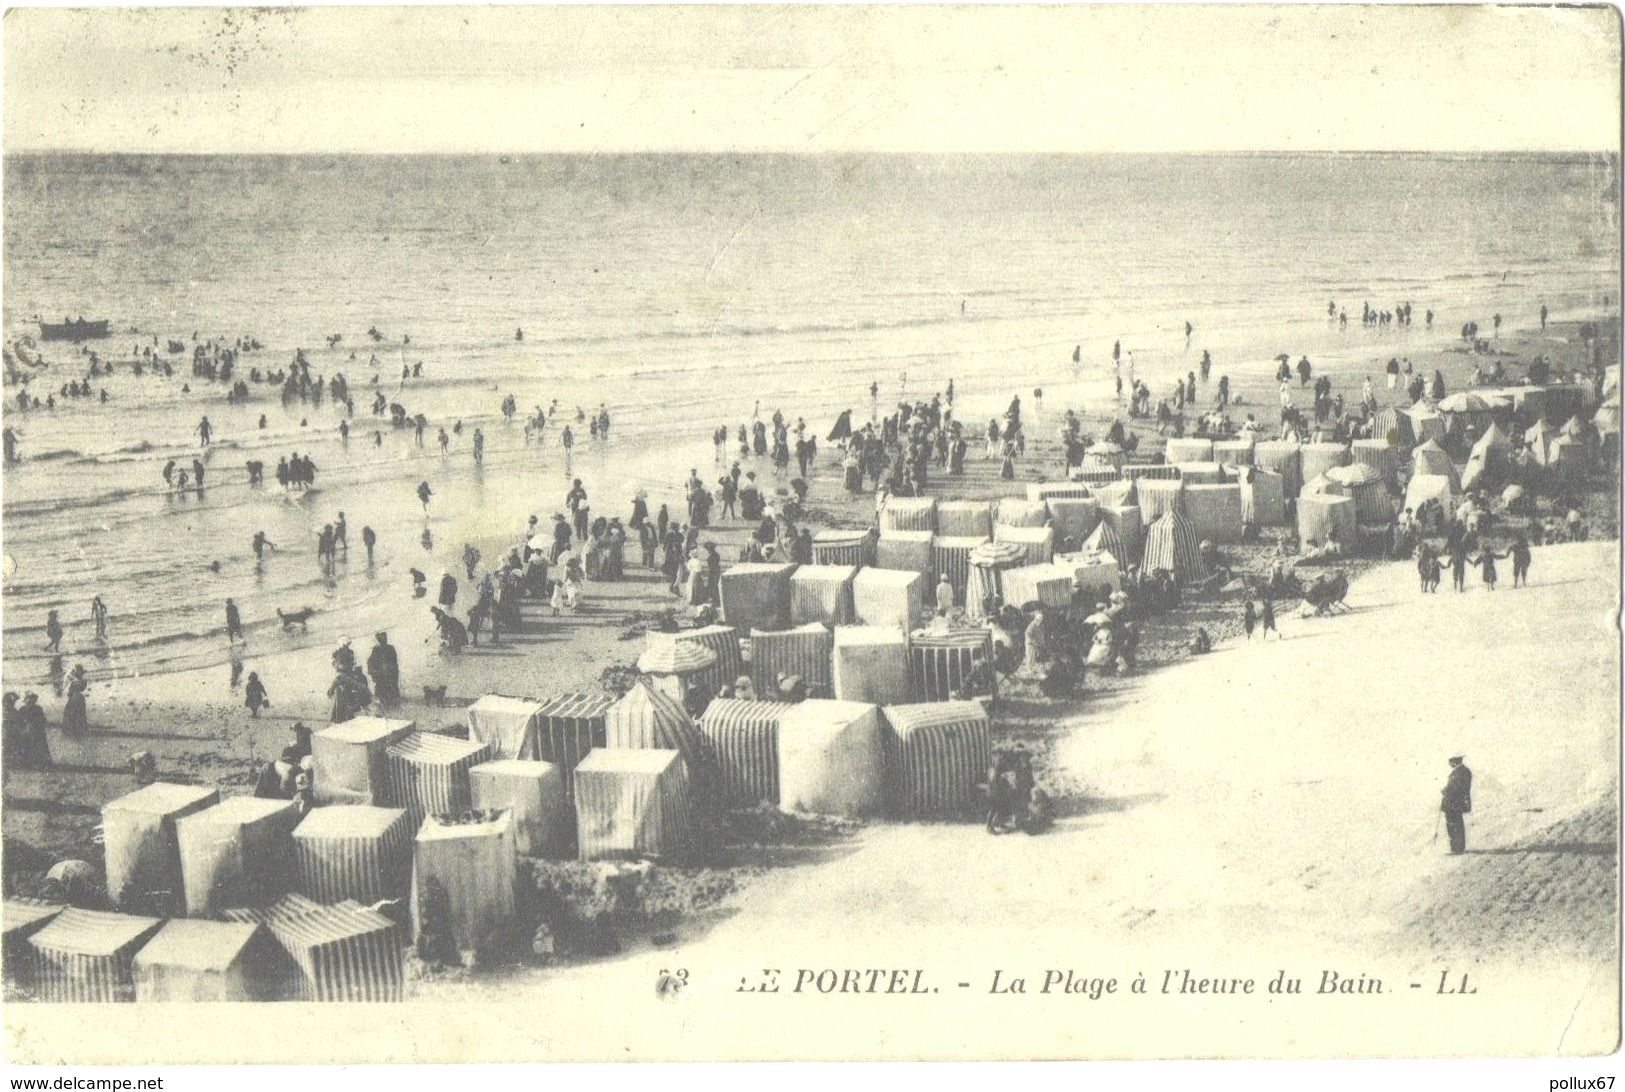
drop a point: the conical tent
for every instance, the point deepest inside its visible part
(1394, 427)
(1105, 541)
(1425, 487)
(1432, 459)
(1365, 484)
(650, 719)
(1171, 544)
(1160, 497)
(1537, 438)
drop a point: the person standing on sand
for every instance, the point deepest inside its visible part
(1249, 619)
(576, 501)
(53, 632)
(1520, 554)
(448, 590)
(1458, 568)
(1456, 801)
(75, 716)
(205, 433)
(1543, 316)
(98, 616)
(1269, 621)
(424, 493)
(256, 695)
(385, 670)
(234, 623)
(369, 539)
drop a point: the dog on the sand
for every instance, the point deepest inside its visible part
(291, 618)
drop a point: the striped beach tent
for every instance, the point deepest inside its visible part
(1053, 491)
(1020, 512)
(987, 561)
(1320, 515)
(964, 519)
(888, 597)
(428, 773)
(212, 961)
(463, 877)
(237, 853)
(141, 847)
(1425, 487)
(1381, 456)
(723, 640)
(650, 719)
(803, 651)
(352, 762)
(745, 736)
(939, 757)
(1430, 458)
(757, 595)
(1092, 571)
(1208, 473)
(345, 952)
(940, 661)
(1049, 585)
(1393, 427)
(1365, 484)
(909, 514)
(353, 852)
(532, 793)
(1140, 472)
(1237, 452)
(633, 803)
(86, 955)
(1157, 498)
(572, 725)
(832, 760)
(1105, 541)
(822, 593)
(1103, 455)
(1427, 423)
(1538, 438)
(1171, 543)
(1037, 543)
(910, 550)
(1316, 459)
(1117, 494)
(1095, 476)
(1074, 519)
(510, 725)
(1128, 524)
(1214, 512)
(1263, 497)
(21, 918)
(951, 557)
(843, 546)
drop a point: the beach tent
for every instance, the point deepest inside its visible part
(1323, 486)
(87, 956)
(572, 725)
(650, 719)
(843, 546)
(511, 726)
(909, 514)
(1159, 498)
(1365, 484)
(1607, 421)
(1426, 422)
(871, 664)
(1155, 471)
(745, 737)
(1117, 494)
(722, 640)
(1037, 543)
(964, 519)
(21, 918)
(428, 773)
(1093, 477)
(1316, 459)
(987, 561)
(1381, 456)
(350, 760)
(822, 593)
(1425, 487)
(1208, 473)
(1049, 585)
(1128, 525)
(1577, 429)
(668, 665)
(1171, 543)
(463, 874)
(1020, 512)
(757, 596)
(803, 651)
(909, 550)
(1103, 453)
(1238, 452)
(1320, 515)
(345, 952)
(1283, 457)
(1429, 458)
(633, 803)
(532, 793)
(1105, 541)
(888, 597)
(1053, 491)
(1393, 427)
(141, 849)
(1568, 458)
(212, 961)
(940, 661)
(1093, 569)
(1495, 445)
(1537, 438)
(1263, 497)
(1187, 450)
(1214, 512)
(940, 753)
(951, 556)
(354, 852)
(832, 760)
(1074, 519)
(237, 853)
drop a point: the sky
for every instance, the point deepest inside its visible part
(519, 80)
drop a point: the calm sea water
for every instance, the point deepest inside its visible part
(681, 291)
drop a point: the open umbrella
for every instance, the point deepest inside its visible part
(675, 658)
(1464, 402)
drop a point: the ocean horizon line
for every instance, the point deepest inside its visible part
(1543, 155)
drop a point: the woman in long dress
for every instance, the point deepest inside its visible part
(75, 716)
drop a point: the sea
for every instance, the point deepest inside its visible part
(680, 293)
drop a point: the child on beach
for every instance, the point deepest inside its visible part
(256, 695)
(1249, 619)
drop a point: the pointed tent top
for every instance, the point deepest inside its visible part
(669, 657)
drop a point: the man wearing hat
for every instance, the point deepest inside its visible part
(1457, 802)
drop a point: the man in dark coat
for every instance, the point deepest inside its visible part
(385, 670)
(448, 591)
(1457, 801)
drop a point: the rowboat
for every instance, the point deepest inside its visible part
(78, 330)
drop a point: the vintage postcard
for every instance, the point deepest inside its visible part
(764, 532)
